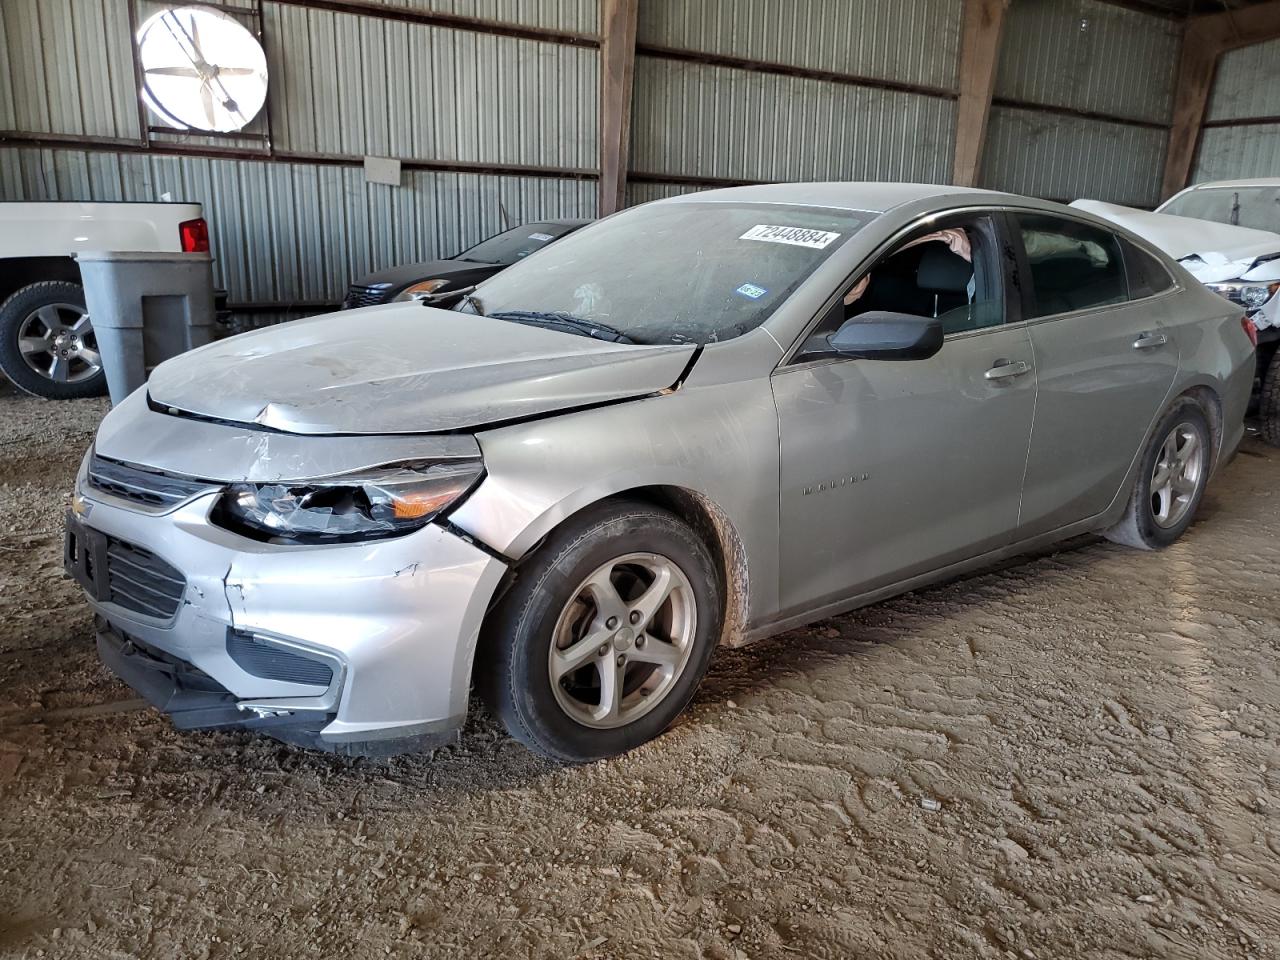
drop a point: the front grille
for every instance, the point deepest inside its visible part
(141, 486)
(141, 582)
(360, 296)
(273, 662)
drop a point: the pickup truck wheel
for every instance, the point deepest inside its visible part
(603, 637)
(1269, 401)
(47, 345)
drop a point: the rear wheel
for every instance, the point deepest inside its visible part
(47, 344)
(1171, 481)
(1269, 401)
(603, 639)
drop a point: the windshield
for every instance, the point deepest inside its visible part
(684, 272)
(1256, 207)
(507, 248)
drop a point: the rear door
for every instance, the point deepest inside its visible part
(1104, 367)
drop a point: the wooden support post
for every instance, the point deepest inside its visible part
(617, 74)
(1204, 41)
(979, 57)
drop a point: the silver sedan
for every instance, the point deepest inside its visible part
(704, 420)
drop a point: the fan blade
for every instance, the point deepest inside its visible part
(195, 37)
(236, 71)
(206, 98)
(190, 72)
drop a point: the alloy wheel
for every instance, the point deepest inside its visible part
(1176, 476)
(623, 640)
(57, 342)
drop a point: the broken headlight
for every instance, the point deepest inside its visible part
(1254, 295)
(382, 502)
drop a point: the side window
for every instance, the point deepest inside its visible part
(1147, 275)
(1074, 266)
(952, 273)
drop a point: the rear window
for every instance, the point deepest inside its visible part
(1147, 275)
(1074, 266)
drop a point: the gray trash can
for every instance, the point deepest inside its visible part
(146, 308)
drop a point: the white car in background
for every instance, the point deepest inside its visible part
(47, 346)
(1227, 235)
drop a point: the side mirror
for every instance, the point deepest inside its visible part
(880, 335)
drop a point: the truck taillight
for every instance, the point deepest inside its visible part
(1250, 330)
(194, 235)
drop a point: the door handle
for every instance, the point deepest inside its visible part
(1004, 369)
(1149, 340)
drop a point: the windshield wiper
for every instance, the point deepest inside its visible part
(564, 321)
(465, 293)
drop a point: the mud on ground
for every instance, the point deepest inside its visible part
(1072, 756)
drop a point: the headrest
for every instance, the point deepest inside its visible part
(942, 271)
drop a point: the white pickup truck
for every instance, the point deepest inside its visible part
(47, 346)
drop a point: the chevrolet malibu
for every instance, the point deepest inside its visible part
(707, 419)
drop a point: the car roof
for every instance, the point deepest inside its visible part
(1257, 182)
(869, 196)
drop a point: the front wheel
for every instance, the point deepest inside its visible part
(1173, 475)
(603, 639)
(47, 344)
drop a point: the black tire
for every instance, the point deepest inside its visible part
(1269, 401)
(14, 314)
(513, 671)
(1139, 527)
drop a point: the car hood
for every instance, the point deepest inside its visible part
(406, 368)
(1212, 252)
(428, 270)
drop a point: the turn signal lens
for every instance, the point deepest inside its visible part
(422, 289)
(194, 235)
(415, 506)
(1250, 330)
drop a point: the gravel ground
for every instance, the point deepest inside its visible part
(1071, 756)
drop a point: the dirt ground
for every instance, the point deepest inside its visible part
(1072, 756)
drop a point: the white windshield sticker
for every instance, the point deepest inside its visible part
(796, 236)
(543, 237)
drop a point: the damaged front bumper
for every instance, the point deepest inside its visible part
(360, 648)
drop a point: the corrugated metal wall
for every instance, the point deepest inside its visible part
(1089, 56)
(1246, 89)
(296, 226)
(1065, 158)
(69, 69)
(575, 16)
(725, 91)
(697, 120)
(353, 85)
(323, 224)
(1073, 74)
(907, 41)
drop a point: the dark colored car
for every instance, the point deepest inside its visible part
(466, 269)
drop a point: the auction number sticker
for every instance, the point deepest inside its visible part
(795, 236)
(541, 237)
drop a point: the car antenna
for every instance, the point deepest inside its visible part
(506, 220)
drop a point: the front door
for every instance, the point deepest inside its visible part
(894, 468)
